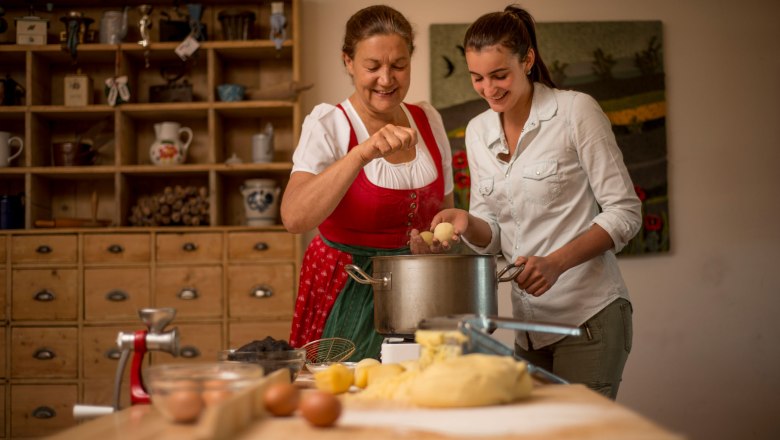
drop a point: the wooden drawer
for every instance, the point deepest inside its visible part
(44, 352)
(42, 410)
(2, 354)
(2, 411)
(258, 246)
(261, 291)
(3, 247)
(242, 333)
(190, 247)
(44, 249)
(197, 343)
(115, 293)
(3, 278)
(44, 294)
(117, 248)
(100, 353)
(194, 291)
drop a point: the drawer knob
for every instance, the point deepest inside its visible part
(188, 293)
(189, 247)
(44, 295)
(117, 296)
(43, 249)
(116, 249)
(113, 354)
(189, 352)
(261, 246)
(44, 354)
(44, 412)
(261, 291)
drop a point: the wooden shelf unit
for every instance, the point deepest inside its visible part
(81, 323)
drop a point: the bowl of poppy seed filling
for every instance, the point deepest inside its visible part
(269, 353)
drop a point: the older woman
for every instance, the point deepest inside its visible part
(366, 172)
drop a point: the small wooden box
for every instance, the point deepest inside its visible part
(31, 30)
(78, 90)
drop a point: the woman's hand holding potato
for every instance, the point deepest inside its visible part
(446, 228)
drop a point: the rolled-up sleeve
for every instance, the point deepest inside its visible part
(602, 161)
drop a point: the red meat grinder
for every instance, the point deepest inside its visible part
(154, 338)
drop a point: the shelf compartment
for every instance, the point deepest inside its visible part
(51, 125)
(14, 67)
(238, 139)
(137, 186)
(68, 194)
(138, 135)
(50, 67)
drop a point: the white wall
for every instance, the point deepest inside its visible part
(704, 361)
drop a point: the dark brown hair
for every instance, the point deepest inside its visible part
(515, 30)
(376, 20)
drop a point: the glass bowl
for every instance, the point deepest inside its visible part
(271, 361)
(182, 391)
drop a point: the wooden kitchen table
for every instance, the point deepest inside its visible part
(552, 412)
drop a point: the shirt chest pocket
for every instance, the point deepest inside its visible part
(541, 182)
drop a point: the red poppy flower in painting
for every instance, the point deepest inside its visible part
(653, 222)
(459, 160)
(640, 193)
(462, 180)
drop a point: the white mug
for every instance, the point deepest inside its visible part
(5, 148)
(262, 148)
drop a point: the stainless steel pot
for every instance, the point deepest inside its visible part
(410, 288)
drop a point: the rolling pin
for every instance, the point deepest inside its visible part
(66, 222)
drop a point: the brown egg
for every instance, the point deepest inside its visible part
(281, 399)
(320, 408)
(215, 391)
(183, 405)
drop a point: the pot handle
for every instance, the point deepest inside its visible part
(362, 277)
(502, 277)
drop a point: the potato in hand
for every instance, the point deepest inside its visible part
(444, 232)
(427, 237)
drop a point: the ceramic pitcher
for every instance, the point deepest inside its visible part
(261, 201)
(168, 147)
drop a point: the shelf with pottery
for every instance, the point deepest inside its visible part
(220, 130)
(231, 264)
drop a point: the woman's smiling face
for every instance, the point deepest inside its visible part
(499, 77)
(381, 71)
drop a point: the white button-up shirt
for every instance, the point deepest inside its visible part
(567, 173)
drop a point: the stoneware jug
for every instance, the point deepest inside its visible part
(261, 201)
(168, 148)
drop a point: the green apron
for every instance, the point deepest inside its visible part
(352, 315)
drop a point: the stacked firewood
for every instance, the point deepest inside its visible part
(174, 206)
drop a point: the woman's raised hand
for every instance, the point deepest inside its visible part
(386, 141)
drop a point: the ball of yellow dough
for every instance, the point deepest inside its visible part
(444, 232)
(427, 237)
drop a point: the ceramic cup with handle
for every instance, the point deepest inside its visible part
(6, 142)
